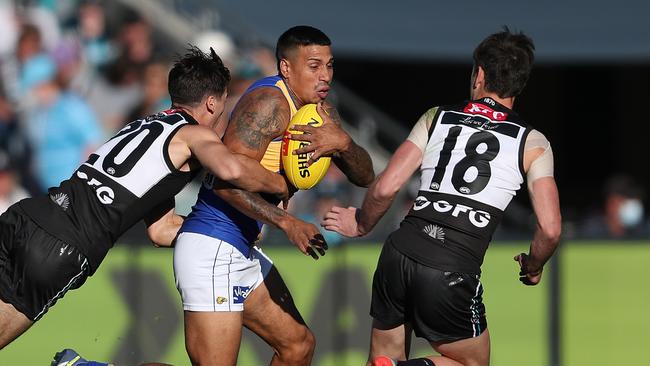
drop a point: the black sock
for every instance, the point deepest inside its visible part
(416, 362)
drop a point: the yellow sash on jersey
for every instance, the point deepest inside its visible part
(271, 158)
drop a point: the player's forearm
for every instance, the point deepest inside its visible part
(163, 233)
(545, 199)
(377, 201)
(254, 206)
(356, 164)
(545, 241)
(255, 178)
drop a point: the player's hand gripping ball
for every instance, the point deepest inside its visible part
(295, 166)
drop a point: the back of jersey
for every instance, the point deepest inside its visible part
(471, 169)
(119, 183)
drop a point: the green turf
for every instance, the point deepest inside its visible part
(604, 298)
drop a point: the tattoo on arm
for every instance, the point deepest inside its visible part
(334, 115)
(356, 164)
(254, 206)
(259, 123)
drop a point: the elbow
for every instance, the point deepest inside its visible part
(552, 232)
(232, 172)
(366, 181)
(384, 190)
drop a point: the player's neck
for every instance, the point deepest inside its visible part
(296, 99)
(194, 112)
(506, 102)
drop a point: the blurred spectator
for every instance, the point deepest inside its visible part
(622, 215)
(44, 18)
(224, 46)
(28, 45)
(8, 29)
(114, 97)
(91, 29)
(13, 141)
(155, 94)
(10, 190)
(62, 128)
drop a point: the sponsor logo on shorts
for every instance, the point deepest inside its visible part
(478, 218)
(221, 300)
(240, 293)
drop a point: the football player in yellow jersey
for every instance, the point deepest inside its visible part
(215, 252)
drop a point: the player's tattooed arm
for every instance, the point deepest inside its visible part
(354, 162)
(305, 236)
(331, 140)
(259, 117)
(253, 205)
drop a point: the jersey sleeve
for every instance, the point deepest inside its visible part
(420, 133)
(542, 166)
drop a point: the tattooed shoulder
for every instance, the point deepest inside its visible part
(259, 117)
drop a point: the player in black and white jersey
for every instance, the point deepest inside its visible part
(51, 244)
(473, 158)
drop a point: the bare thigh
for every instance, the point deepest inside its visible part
(468, 352)
(269, 311)
(13, 323)
(213, 338)
(394, 342)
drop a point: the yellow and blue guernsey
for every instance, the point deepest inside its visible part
(212, 216)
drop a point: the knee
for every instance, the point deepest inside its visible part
(300, 350)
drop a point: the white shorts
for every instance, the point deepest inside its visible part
(211, 275)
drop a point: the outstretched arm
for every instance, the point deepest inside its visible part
(302, 234)
(354, 222)
(544, 196)
(237, 169)
(331, 140)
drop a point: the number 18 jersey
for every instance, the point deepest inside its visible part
(472, 167)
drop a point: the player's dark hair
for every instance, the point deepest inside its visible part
(300, 35)
(506, 59)
(196, 75)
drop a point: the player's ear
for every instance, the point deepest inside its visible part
(479, 80)
(211, 103)
(284, 68)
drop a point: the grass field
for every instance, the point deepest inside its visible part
(604, 300)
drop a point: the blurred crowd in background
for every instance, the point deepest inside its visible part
(72, 73)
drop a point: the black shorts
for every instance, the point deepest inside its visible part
(441, 306)
(36, 269)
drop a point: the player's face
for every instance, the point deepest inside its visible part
(309, 72)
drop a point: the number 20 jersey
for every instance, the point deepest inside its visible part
(471, 169)
(121, 182)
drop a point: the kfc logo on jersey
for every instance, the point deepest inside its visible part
(477, 108)
(478, 218)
